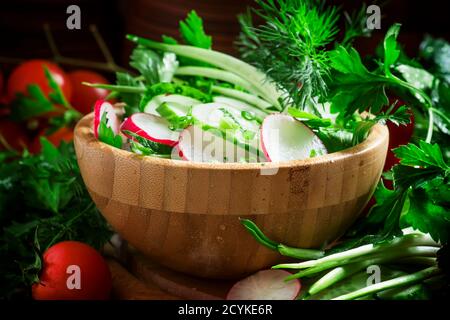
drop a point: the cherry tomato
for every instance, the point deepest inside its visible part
(73, 271)
(84, 97)
(12, 136)
(62, 134)
(32, 72)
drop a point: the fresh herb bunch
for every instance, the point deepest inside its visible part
(42, 201)
(420, 198)
(290, 45)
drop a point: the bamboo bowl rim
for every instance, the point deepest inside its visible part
(83, 130)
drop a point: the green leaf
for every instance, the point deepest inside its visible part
(107, 135)
(56, 96)
(437, 52)
(353, 87)
(148, 147)
(170, 88)
(383, 218)
(425, 155)
(130, 99)
(147, 62)
(192, 32)
(309, 119)
(419, 78)
(335, 139)
(31, 105)
(391, 48)
(429, 209)
(169, 40)
(176, 121)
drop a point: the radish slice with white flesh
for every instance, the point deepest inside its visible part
(150, 127)
(180, 103)
(265, 285)
(112, 121)
(198, 145)
(284, 138)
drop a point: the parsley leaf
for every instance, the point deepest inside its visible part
(147, 63)
(192, 31)
(31, 105)
(425, 155)
(421, 198)
(148, 147)
(391, 48)
(106, 134)
(401, 116)
(429, 209)
(353, 87)
(55, 96)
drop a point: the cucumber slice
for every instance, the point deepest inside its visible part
(180, 104)
(172, 88)
(241, 106)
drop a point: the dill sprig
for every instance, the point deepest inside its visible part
(290, 45)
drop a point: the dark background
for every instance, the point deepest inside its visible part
(22, 35)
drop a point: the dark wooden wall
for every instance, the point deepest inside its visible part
(22, 36)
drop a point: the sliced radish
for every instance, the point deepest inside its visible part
(112, 121)
(198, 145)
(265, 285)
(150, 127)
(179, 102)
(284, 138)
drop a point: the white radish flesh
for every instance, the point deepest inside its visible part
(198, 145)
(211, 114)
(150, 127)
(284, 138)
(112, 121)
(265, 285)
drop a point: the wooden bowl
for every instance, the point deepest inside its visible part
(185, 215)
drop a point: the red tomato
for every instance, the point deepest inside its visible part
(84, 97)
(32, 72)
(12, 135)
(73, 271)
(62, 134)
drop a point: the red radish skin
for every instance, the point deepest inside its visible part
(102, 106)
(134, 124)
(264, 148)
(265, 285)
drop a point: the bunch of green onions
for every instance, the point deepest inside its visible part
(329, 269)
